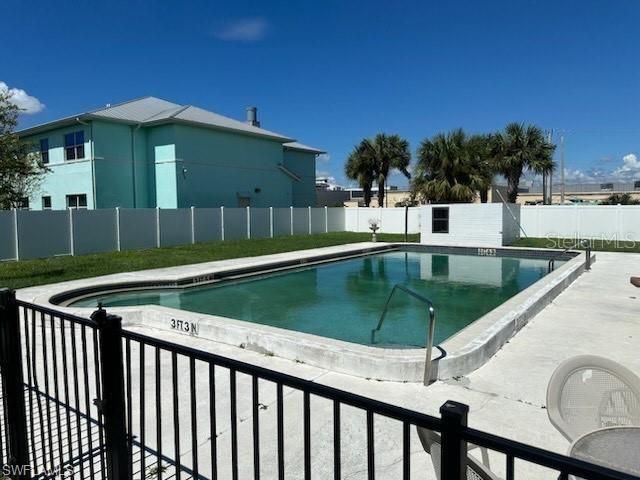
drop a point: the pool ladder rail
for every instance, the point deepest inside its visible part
(430, 330)
(581, 243)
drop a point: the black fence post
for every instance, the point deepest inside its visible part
(454, 447)
(112, 403)
(13, 385)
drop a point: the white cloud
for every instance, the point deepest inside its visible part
(243, 30)
(577, 176)
(25, 102)
(323, 158)
(630, 169)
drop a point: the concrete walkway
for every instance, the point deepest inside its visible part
(598, 314)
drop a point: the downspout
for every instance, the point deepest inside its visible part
(93, 162)
(133, 162)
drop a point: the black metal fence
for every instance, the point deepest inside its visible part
(86, 399)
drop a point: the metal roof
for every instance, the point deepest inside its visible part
(303, 148)
(152, 110)
(135, 110)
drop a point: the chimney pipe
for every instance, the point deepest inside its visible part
(252, 116)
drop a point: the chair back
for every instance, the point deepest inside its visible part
(589, 392)
(432, 444)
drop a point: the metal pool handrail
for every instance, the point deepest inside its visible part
(431, 329)
(581, 243)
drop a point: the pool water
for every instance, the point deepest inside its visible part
(344, 299)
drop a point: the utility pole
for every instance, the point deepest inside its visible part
(550, 178)
(562, 169)
(544, 182)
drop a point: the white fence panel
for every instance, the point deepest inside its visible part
(365, 215)
(235, 223)
(391, 219)
(300, 221)
(318, 220)
(608, 222)
(260, 223)
(175, 226)
(94, 231)
(43, 234)
(207, 225)
(529, 221)
(138, 228)
(336, 219)
(7, 235)
(281, 222)
(629, 221)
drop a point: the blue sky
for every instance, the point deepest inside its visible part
(330, 73)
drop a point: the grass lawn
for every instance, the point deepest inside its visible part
(28, 273)
(596, 245)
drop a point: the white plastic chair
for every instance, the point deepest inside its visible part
(432, 444)
(588, 392)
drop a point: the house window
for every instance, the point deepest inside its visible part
(74, 145)
(46, 203)
(44, 150)
(23, 203)
(77, 201)
(636, 185)
(440, 220)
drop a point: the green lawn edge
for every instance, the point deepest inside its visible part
(29, 273)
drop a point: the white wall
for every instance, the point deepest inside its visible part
(611, 222)
(471, 224)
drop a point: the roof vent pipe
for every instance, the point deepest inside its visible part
(252, 116)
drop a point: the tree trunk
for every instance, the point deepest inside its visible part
(380, 193)
(514, 183)
(366, 190)
(484, 195)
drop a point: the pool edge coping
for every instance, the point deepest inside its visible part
(467, 350)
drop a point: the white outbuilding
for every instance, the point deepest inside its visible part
(470, 224)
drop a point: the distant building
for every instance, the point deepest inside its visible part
(154, 153)
(334, 195)
(580, 192)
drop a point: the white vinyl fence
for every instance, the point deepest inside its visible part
(607, 222)
(36, 234)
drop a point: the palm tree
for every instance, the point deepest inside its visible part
(361, 166)
(373, 159)
(391, 153)
(479, 150)
(519, 148)
(445, 171)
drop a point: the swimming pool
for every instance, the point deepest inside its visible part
(344, 299)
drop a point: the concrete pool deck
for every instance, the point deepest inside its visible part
(598, 314)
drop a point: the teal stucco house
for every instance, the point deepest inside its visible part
(149, 153)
